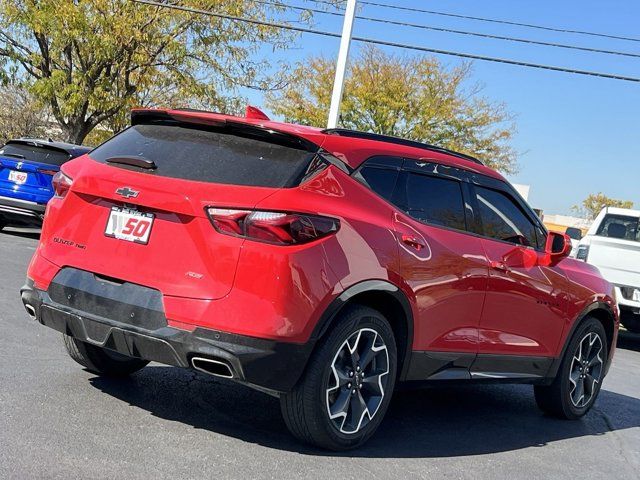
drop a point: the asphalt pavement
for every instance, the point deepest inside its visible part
(59, 421)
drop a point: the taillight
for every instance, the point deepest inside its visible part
(279, 228)
(61, 184)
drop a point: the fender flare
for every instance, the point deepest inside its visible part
(368, 286)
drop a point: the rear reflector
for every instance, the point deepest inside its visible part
(278, 228)
(47, 171)
(61, 184)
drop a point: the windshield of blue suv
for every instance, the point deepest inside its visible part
(35, 153)
(620, 226)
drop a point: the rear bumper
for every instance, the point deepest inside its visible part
(265, 364)
(23, 208)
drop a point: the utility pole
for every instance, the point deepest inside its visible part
(341, 67)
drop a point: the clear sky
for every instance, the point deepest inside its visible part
(577, 135)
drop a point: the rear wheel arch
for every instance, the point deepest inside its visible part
(384, 297)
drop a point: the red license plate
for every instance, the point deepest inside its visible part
(129, 224)
(18, 177)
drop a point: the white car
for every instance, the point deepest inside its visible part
(613, 245)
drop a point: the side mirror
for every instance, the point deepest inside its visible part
(574, 233)
(558, 245)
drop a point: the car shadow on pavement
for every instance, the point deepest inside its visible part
(443, 421)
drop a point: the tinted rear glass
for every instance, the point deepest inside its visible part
(220, 155)
(434, 200)
(620, 226)
(380, 180)
(50, 156)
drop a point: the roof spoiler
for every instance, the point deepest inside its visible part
(144, 114)
(255, 113)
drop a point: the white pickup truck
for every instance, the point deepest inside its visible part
(613, 245)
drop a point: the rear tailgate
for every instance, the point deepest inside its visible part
(26, 180)
(618, 260)
(195, 167)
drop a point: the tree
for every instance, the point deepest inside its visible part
(21, 115)
(595, 202)
(90, 61)
(411, 97)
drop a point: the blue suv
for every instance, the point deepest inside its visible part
(27, 167)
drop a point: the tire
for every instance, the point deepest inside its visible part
(630, 321)
(562, 398)
(100, 360)
(3, 223)
(306, 409)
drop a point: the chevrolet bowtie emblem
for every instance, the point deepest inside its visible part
(127, 192)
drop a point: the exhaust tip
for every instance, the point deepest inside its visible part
(30, 310)
(218, 368)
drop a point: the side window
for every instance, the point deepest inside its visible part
(503, 220)
(434, 200)
(380, 180)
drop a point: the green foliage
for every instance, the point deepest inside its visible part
(411, 97)
(595, 202)
(90, 61)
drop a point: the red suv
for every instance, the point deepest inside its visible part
(320, 266)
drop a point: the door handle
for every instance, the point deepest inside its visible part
(499, 265)
(413, 242)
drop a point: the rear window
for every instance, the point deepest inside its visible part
(50, 156)
(229, 155)
(620, 226)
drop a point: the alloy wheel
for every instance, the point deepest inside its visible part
(357, 381)
(586, 370)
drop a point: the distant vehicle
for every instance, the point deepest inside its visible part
(321, 266)
(575, 234)
(27, 167)
(613, 245)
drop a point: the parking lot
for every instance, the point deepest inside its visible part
(58, 421)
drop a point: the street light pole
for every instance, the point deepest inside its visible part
(341, 67)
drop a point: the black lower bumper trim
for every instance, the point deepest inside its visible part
(24, 208)
(266, 364)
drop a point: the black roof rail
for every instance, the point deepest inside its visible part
(345, 132)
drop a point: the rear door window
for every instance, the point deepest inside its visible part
(620, 226)
(22, 151)
(433, 200)
(237, 156)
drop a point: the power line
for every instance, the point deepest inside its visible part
(391, 44)
(490, 20)
(450, 30)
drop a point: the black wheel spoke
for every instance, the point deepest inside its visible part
(575, 376)
(341, 405)
(589, 385)
(372, 384)
(342, 377)
(586, 370)
(357, 410)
